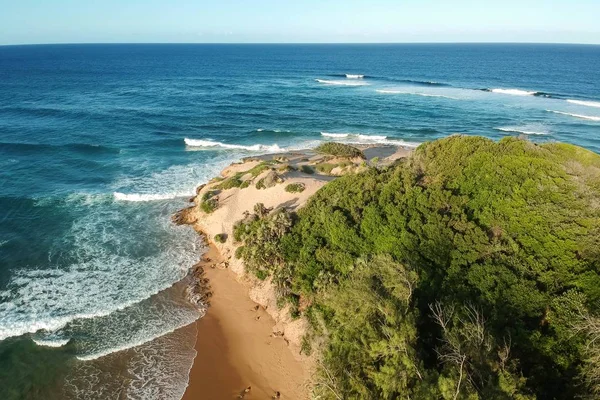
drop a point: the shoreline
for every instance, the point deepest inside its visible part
(235, 350)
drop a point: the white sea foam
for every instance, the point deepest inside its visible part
(139, 197)
(51, 342)
(274, 148)
(359, 138)
(354, 76)
(389, 91)
(520, 129)
(580, 116)
(513, 92)
(110, 269)
(342, 83)
(585, 103)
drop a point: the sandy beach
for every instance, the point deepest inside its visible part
(237, 349)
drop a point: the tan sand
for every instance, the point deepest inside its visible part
(235, 350)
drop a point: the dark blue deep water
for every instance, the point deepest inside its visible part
(99, 144)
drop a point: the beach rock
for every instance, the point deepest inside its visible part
(199, 188)
(184, 217)
(272, 179)
(198, 291)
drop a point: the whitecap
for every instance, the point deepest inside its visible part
(585, 103)
(51, 342)
(274, 148)
(388, 91)
(513, 92)
(342, 83)
(354, 76)
(335, 135)
(580, 116)
(523, 130)
(139, 197)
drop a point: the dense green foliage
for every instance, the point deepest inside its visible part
(295, 187)
(339, 150)
(454, 274)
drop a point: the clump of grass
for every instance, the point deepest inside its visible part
(339, 150)
(307, 169)
(295, 188)
(245, 184)
(221, 237)
(261, 184)
(325, 168)
(233, 182)
(209, 202)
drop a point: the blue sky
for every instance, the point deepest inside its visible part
(77, 21)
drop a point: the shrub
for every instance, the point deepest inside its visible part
(229, 183)
(209, 202)
(339, 150)
(307, 169)
(261, 184)
(245, 184)
(325, 168)
(221, 237)
(467, 250)
(295, 188)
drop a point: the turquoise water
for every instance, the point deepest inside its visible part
(100, 144)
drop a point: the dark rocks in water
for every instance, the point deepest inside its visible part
(198, 291)
(184, 217)
(199, 189)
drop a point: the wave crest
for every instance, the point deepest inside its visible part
(354, 76)
(137, 197)
(342, 83)
(580, 116)
(584, 103)
(523, 130)
(513, 92)
(274, 148)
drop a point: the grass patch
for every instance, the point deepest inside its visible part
(325, 168)
(295, 188)
(307, 169)
(339, 150)
(221, 238)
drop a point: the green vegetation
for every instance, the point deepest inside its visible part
(229, 183)
(307, 169)
(261, 184)
(325, 168)
(221, 237)
(295, 188)
(209, 202)
(469, 270)
(339, 150)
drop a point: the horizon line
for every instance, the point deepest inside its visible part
(294, 43)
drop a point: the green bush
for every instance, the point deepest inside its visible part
(221, 237)
(307, 169)
(245, 184)
(339, 150)
(325, 168)
(456, 273)
(295, 188)
(261, 184)
(209, 202)
(229, 183)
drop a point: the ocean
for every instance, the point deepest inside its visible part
(100, 144)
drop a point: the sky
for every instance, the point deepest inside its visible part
(299, 21)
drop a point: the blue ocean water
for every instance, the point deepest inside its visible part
(100, 144)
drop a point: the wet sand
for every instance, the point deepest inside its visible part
(236, 347)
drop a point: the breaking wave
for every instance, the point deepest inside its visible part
(523, 130)
(585, 103)
(136, 197)
(274, 148)
(342, 83)
(388, 91)
(580, 116)
(354, 76)
(513, 92)
(51, 342)
(358, 138)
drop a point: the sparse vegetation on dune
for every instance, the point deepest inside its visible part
(469, 270)
(339, 150)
